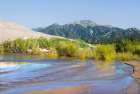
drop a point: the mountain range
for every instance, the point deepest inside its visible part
(90, 32)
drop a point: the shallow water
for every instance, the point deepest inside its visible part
(64, 76)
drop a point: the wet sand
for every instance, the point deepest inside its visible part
(136, 65)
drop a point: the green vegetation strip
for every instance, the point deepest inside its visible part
(54, 48)
(51, 48)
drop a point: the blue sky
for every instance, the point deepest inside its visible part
(35, 13)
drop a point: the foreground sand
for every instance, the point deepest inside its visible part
(136, 65)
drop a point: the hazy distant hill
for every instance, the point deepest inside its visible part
(90, 31)
(11, 31)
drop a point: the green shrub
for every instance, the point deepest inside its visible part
(81, 43)
(16, 46)
(84, 53)
(34, 46)
(52, 53)
(137, 50)
(44, 42)
(104, 52)
(1, 49)
(21, 46)
(7, 45)
(66, 49)
(57, 47)
(128, 49)
(123, 46)
(127, 46)
(127, 56)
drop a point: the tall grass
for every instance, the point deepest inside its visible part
(1, 49)
(44, 43)
(67, 49)
(127, 56)
(128, 46)
(52, 53)
(104, 52)
(56, 47)
(84, 53)
(128, 50)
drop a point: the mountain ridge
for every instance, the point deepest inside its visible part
(91, 32)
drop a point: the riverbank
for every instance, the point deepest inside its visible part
(136, 65)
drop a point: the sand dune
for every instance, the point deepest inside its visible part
(12, 31)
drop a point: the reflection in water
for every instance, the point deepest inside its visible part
(65, 76)
(65, 90)
(24, 66)
(105, 68)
